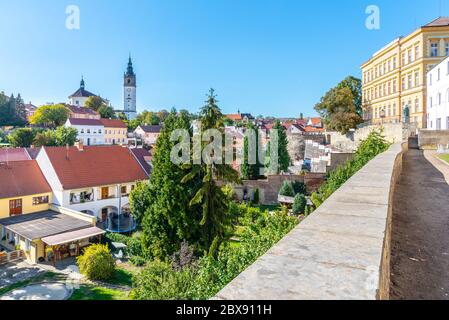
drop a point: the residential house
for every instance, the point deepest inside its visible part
(148, 134)
(90, 131)
(115, 131)
(82, 112)
(30, 109)
(96, 180)
(240, 117)
(30, 225)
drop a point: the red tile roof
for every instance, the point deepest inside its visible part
(94, 166)
(22, 178)
(15, 154)
(439, 22)
(313, 129)
(81, 110)
(85, 122)
(234, 117)
(151, 128)
(113, 123)
(143, 156)
(315, 121)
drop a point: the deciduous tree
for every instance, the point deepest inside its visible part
(51, 116)
(340, 107)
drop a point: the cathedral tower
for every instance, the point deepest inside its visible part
(129, 92)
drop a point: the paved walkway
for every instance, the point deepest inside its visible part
(420, 233)
(18, 271)
(41, 291)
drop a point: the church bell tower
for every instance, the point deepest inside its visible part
(129, 92)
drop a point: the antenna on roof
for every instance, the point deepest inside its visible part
(440, 8)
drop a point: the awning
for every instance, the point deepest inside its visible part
(72, 236)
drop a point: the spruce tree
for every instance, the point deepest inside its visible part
(215, 218)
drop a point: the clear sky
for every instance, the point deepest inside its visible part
(270, 57)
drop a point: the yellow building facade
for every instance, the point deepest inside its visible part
(25, 204)
(394, 79)
(115, 131)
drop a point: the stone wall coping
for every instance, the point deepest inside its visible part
(334, 254)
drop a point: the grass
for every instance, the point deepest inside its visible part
(45, 277)
(444, 157)
(121, 277)
(91, 292)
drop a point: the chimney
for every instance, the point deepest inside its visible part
(79, 145)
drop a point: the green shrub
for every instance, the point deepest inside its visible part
(287, 189)
(133, 243)
(299, 187)
(259, 232)
(159, 281)
(96, 263)
(299, 204)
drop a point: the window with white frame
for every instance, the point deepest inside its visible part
(416, 52)
(439, 99)
(416, 78)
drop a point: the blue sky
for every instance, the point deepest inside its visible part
(270, 57)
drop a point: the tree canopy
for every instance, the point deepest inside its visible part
(50, 116)
(22, 137)
(215, 218)
(107, 112)
(340, 107)
(12, 111)
(167, 218)
(95, 103)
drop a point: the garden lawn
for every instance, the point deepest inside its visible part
(121, 277)
(91, 292)
(444, 157)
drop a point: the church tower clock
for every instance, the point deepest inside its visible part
(129, 92)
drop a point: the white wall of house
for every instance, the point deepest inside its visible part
(438, 97)
(148, 138)
(96, 204)
(88, 135)
(51, 176)
(78, 101)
